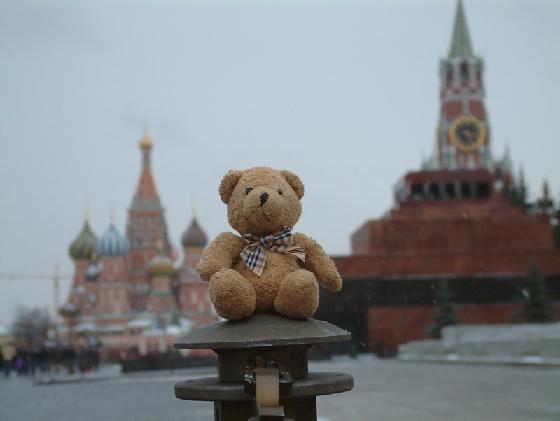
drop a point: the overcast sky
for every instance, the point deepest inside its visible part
(344, 93)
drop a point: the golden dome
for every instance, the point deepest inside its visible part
(160, 265)
(146, 140)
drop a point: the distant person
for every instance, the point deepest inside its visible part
(8, 353)
(2, 362)
(19, 364)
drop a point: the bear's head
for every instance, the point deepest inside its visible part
(261, 200)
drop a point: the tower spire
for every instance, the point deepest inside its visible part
(146, 145)
(87, 212)
(146, 189)
(461, 40)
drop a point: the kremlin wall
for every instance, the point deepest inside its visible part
(451, 223)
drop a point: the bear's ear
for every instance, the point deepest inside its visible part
(294, 182)
(228, 184)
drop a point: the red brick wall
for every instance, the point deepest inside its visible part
(451, 109)
(461, 233)
(438, 264)
(397, 325)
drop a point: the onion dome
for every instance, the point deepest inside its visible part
(83, 247)
(146, 141)
(68, 310)
(161, 265)
(194, 236)
(113, 243)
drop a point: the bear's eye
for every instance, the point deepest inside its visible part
(280, 192)
(248, 190)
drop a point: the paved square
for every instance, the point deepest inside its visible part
(384, 390)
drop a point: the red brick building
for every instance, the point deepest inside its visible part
(451, 222)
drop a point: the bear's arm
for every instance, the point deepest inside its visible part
(318, 262)
(220, 254)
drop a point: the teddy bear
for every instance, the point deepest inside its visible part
(265, 269)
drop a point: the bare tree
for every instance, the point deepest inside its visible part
(31, 325)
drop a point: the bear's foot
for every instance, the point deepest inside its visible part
(298, 296)
(232, 295)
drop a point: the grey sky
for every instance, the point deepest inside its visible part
(344, 93)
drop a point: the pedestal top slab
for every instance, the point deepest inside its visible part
(262, 330)
(211, 389)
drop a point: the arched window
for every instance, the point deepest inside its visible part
(464, 71)
(448, 74)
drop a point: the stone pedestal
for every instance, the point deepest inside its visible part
(262, 337)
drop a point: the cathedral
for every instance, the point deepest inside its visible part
(451, 223)
(127, 292)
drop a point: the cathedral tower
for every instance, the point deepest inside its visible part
(146, 226)
(112, 249)
(192, 292)
(161, 300)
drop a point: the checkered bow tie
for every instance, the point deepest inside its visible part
(282, 241)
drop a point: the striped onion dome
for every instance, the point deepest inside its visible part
(83, 247)
(113, 243)
(161, 265)
(194, 236)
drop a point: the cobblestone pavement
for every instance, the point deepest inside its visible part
(384, 390)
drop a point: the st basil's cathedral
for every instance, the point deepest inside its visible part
(127, 293)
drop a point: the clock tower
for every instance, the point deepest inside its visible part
(463, 133)
(453, 225)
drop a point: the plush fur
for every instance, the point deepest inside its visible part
(287, 285)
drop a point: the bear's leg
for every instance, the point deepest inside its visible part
(232, 295)
(298, 296)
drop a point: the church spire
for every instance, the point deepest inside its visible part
(461, 40)
(146, 194)
(145, 226)
(146, 145)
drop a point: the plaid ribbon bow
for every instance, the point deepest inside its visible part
(282, 241)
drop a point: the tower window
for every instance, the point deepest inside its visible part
(448, 73)
(464, 71)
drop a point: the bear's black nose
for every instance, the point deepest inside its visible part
(264, 198)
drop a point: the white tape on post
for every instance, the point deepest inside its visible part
(268, 386)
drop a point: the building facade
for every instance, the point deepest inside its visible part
(451, 223)
(127, 293)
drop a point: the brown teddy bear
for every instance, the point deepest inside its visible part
(266, 269)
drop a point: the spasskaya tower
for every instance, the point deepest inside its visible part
(463, 132)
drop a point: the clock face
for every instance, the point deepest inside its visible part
(467, 133)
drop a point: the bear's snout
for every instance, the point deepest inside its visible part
(264, 198)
